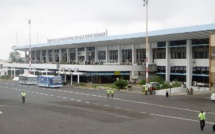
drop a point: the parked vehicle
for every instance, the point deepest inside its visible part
(49, 81)
(28, 79)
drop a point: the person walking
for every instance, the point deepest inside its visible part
(146, 90)
(167, 93)
(202, 119)
(112, 92)
(23, 94)
(108, 92)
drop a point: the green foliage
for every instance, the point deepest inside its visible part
(142, 82)
(157, 79)
(5, 77)
(176, 83)
(121, 84)
(15, 57)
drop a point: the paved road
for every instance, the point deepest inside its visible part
(81, 111)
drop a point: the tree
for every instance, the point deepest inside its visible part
(121, 84)
(15, 57)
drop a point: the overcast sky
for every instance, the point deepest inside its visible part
(62, 18)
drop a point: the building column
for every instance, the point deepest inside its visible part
(134, 56)
(119, 54)
(53, 56)
(78, 78)
(189, 67)
(25, 56)
(167, 62)
(60, 55)
(47, 56)
(68, 55)
(96, 54)
(71, 79)
(150, 54)
(107, 54)
(41, 57)
(76, 55)
(86, 55)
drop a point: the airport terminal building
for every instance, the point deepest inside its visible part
(182, 53)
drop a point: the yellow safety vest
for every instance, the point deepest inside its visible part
(112, 91)
(23, 94)
(202, 116)
(108, 91)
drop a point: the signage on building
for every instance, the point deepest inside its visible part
(79, 37)
(117, 73)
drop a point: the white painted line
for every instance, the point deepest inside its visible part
(87, 102)
(1, 112)
(78, 100)
(64, 97)
(179, 118)
(128, 110)
(72, 99)
(41, 93)
(46, 94)
(51, 95)
(65, 91)
(117, 107)
(106, 105)
(143, 112)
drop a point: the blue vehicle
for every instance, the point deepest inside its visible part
(49, 81)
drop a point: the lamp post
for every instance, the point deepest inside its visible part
(29, 22)
(145, 4)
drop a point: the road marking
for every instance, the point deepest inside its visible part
(2, 105)
(179, 118)
(78, 100)
(117, 107)
(1, 112)
(106, 105)
(72, 99)
(64, 97)
(87, 102)
(144, 103)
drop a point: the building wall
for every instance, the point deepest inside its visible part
(212, 61)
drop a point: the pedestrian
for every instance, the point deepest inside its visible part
(191, 91)
(108, 92)
(202, 119)
(112, 92)
(167, 93)
(23, 94)
(188, 91)
(146, 90)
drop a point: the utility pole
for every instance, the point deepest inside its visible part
(145, 4)
(29, 22)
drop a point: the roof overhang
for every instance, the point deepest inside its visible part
(184, 33)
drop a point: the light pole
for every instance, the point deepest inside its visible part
(145, 4)
(29, 22)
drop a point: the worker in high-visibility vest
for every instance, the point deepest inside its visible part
(146, 90)
(23, 94)
(108, 92)
(112, 92)
(202, 119)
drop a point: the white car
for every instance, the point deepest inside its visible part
(213, 96)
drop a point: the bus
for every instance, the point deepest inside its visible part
(49, 81)
(28, 79)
